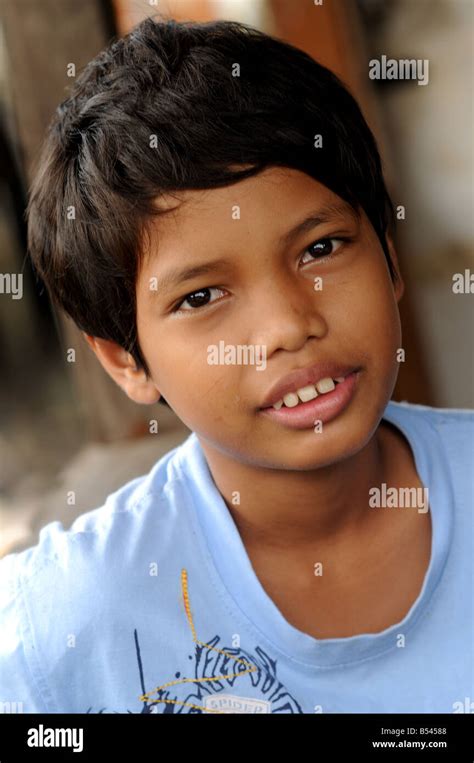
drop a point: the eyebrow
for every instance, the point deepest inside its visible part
(327, 213)
(176, 276)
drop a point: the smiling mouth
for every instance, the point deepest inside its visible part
(322, 407)
(307, 393)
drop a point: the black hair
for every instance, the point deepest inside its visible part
(99, 178)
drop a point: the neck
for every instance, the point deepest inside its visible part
(294, 509)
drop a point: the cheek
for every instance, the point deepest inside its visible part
(370, 319)
(381, 316)
(180, 370)
(379, 325)
(389, 326)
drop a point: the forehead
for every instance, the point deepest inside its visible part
(267, 203)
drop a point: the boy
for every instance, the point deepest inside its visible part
(308, 548)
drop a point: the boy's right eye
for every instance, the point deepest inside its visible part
(197, 299)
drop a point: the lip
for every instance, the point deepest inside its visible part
(323, 408)
(301, 377)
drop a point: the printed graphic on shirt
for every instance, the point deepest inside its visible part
(224, 680)
(220, 682)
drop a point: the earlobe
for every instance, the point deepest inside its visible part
(138, 386)
(122, 368)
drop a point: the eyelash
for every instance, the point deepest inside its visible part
(175, 308)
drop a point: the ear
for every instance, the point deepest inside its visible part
(399, 285)
(122, 368)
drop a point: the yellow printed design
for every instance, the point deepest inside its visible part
(226, 680)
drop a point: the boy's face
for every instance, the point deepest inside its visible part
(265, 296)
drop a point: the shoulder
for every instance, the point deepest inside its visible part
(101, 530)
(70, 577)
(453, 424)
(442, 440)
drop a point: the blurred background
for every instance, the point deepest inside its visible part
(68, 434)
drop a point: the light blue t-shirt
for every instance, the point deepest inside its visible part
(153, 597)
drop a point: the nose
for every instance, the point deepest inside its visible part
(286, 314)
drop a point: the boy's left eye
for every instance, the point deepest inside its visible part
(324, 247)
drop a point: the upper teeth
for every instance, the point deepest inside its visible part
(304, 394)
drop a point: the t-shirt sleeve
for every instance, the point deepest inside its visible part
(20, 682)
